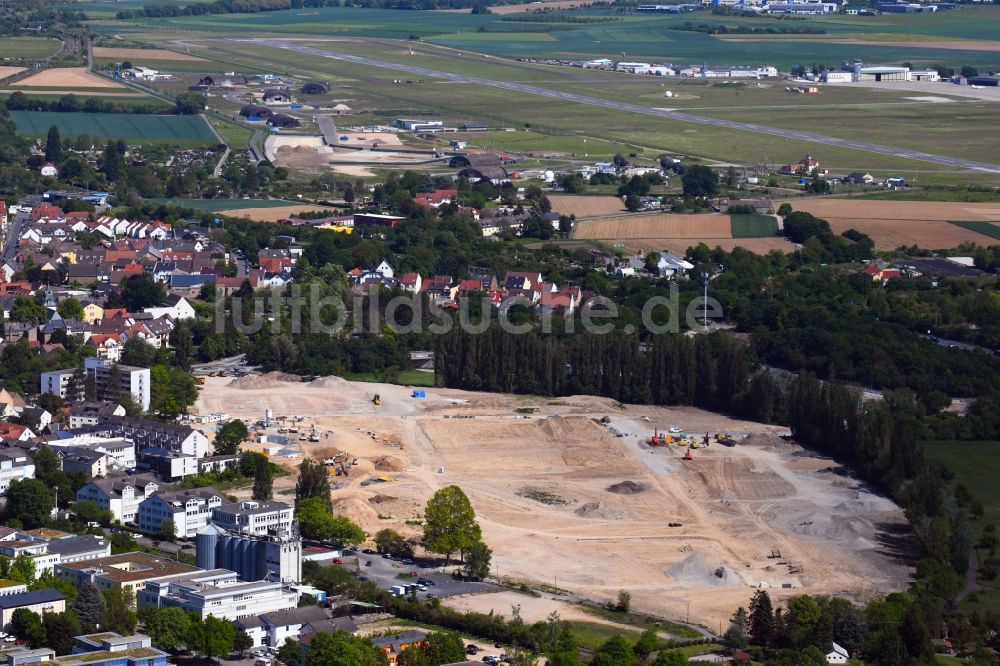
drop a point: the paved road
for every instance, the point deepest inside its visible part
(328, 129)
(14, 230)
(524, 88)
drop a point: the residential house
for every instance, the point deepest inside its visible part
(120, 496)
(176, 307)
(392, 646)
(882, 275)
(92, 463)
(522, 280)
(14, 464)
(440, 288)
(837, 655)
(411, 282)
(188, 510)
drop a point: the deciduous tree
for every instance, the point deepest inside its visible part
(450, 522)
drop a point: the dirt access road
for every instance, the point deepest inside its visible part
(562, 499)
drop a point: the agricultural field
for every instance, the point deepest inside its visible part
(991, 229)
(139, 55)
(71, 78)
(140, 128)
(28, 48)
(676, 233)
(584, 207)
(749, 225)
(893, 224)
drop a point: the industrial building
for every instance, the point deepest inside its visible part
(276, 556)
(217, 592)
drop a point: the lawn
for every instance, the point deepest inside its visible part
(138, 100)
(985, 228)
(142, 128)
(405, 378)
(976, 464)
(752, 225)
(28, 48)
(591, 635)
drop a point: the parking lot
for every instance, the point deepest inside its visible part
(387, 573)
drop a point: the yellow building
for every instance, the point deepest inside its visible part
(93, 313)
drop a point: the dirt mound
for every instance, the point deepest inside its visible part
(388, 464)
(381, 499)
(333, 383)
(695, 569)
(760, 439)
(626, 487)
(600, 511)
(270, 380)
(358, 510)
(303, 149)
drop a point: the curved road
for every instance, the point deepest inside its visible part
(523, 88)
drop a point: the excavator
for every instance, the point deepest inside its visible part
(377, 400)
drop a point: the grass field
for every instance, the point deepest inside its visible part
(643, 135)
(216, 205)
(985, 228)
(746, 225)
(29, 48)
(181, 130)
(976, 464)
(405, 378)
(646, 36)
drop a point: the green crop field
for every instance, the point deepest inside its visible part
(985, 228)
(883, 39)
(138, 100)
(752, 225)
(28, 48)
(181, 130)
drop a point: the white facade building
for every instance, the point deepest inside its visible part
(253, 517)
(218, 592)
(188, 509)
(119, 496)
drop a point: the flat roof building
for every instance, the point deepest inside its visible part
(218, 592)
(129, 571)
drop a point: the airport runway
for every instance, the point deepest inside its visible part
(903, 153)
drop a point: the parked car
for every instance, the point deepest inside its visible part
(471, 649)
(368, 563)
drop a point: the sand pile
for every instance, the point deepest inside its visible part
(695, 569)
(388, 464)
(600, 511)
(627, 487)
(380, 499)
(270, 380)
(760, 439)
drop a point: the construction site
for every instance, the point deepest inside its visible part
(688, 510)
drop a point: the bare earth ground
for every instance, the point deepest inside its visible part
(67, 77)
(892, 224)
(584, 207)
(676, 232)
(6, 71)
(309, 152)
(36, 91)
(540, 486)
(140, 54)
(271, 214)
